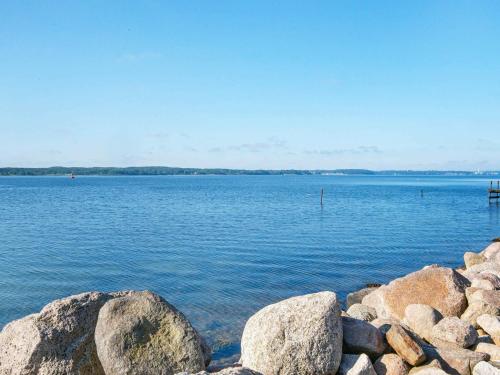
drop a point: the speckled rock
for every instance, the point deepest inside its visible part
(362, 337)
(438, 287)
(484, 368)
(471, 259)
(141, 333)
(357, 297)
(491, 325)
(405, 346)
(362, 312)
(353, 364)
(58, 340)
(491, 349)
(390, 364)
(300, 335)
(452, 332)
(421, 318)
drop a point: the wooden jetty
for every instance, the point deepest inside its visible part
(494, 194)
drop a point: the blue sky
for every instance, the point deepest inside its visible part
(251, 84)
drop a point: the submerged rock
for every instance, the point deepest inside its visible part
(300, 335)
(439, 287)
(141, 333)
(58, 340)
(452, 332)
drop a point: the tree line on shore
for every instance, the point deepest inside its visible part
(161, 170)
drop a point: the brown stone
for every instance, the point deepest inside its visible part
(439, 287)
(405, 346)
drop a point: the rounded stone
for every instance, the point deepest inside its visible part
(300, 335)
(143, 334)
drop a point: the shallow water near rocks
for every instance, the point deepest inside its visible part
(221, 247)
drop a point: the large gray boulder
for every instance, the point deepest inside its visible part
(353, 364)
(421, 319)
(452, 332)
(57, 340)
(439, 287)
(141, 333)
(362, 337)
(300, 335)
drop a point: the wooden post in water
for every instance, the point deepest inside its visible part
(321, 201)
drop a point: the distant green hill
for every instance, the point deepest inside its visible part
(152, 171)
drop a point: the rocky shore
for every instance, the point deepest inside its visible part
(433, 321)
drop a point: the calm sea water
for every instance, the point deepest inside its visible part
(221, 247)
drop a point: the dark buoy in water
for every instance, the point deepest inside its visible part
(321, 198)
(421, 192)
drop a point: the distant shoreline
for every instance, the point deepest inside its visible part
(174, 171)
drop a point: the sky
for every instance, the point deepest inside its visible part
(251, 84)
